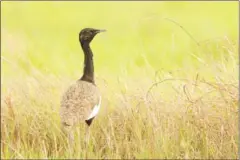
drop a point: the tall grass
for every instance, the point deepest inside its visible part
(168, 73)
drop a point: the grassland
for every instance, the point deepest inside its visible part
(168, 73)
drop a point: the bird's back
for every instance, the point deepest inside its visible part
(78, 102)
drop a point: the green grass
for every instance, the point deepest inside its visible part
(168, 73)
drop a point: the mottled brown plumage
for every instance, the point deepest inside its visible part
(78, 102)
(81, 102)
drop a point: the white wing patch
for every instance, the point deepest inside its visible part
(95, 109)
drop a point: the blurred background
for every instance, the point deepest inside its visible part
(145, 43)
(44, 35)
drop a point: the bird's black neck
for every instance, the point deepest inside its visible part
(88, 70)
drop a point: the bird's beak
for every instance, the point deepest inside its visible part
(101, 30)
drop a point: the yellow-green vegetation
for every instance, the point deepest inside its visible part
(168, 73)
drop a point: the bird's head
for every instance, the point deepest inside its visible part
(87, 34)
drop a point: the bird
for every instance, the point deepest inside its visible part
(81, 102)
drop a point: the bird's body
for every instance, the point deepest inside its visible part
(81, 102)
